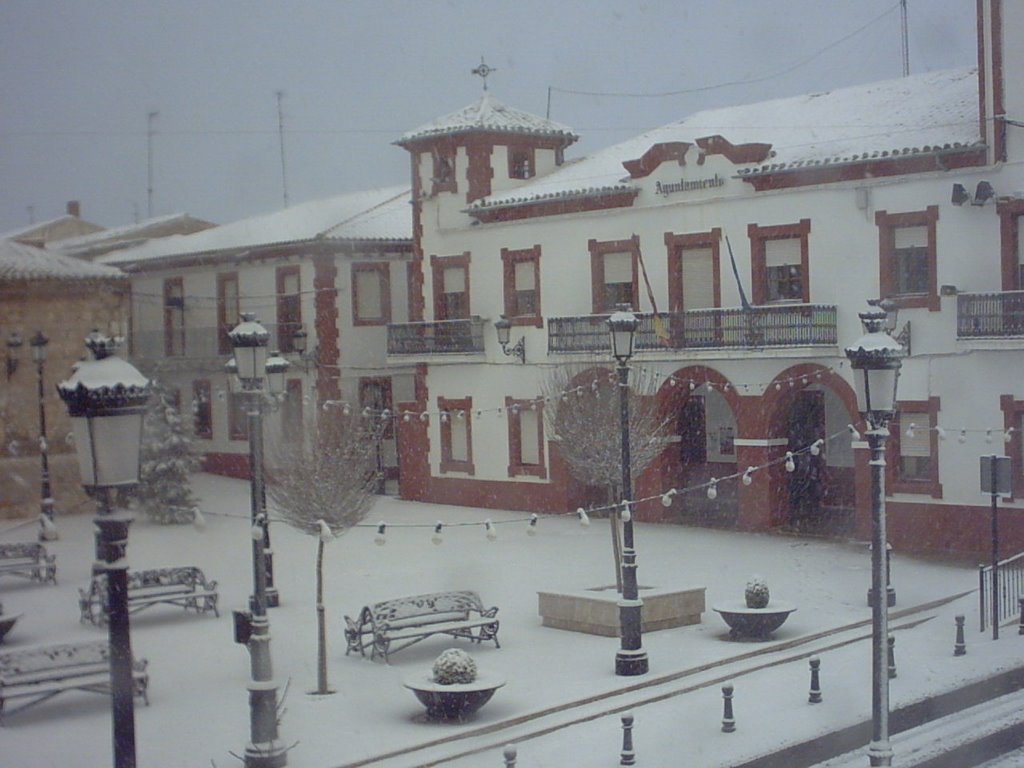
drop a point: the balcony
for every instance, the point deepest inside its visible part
(990, 315)
(445, 337)
(789, 325)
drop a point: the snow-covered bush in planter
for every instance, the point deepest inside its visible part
(756, 592)
(454, 667)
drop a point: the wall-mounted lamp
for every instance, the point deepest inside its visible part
(983, 193)
(892, 315)
(300, 341)
(504, 329)
(14, 343)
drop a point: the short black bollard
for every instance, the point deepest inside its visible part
(814, 697)
(960, 647)
(728, 721)
(892, 657)
(628, 755)
(509, 753)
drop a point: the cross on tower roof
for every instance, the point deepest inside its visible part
(483, 71)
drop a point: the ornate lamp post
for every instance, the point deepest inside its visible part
(264, 750)
(106, 399)
(876, 359)
(14, 343)
(631, 658)
(47, 530)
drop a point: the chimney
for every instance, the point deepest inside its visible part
(74, 209)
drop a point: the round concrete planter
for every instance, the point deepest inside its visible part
(7, 622)
(456, 701)
(754, 623)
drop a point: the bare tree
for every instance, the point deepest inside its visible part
(323, 487)
(582, 414)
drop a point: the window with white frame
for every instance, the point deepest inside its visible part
(784, 269)
(911, 269)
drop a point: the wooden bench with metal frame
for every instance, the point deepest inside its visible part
(186, 587)
(28, 559)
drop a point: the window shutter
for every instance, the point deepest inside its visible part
(910, 237)
(528, 436)
(618, 267)
(525, 276)
(368, 293)
(460, 439)
(698, 275)
(782, 252)
(454, 280)
(921, 442)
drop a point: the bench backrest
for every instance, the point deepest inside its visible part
(185, 576)
(26, 550)
(444, 604)
(41, 663)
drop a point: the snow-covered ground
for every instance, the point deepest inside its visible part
(199, 710)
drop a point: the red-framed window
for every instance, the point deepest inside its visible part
(694, 276)
(521, 283)
(613, 274)
(292, 427)
(174, 317)
(908, 257)
(228, 309)
(913, 464)
(443, 179)
(1011, 245)
(371, 293)
(202, 409)
(451, 286)
(289, 306)
(456, 434)
(238, 416)
(375, 394)
(521, 162)
(525, 438)
(1013, 424)
(780, 262)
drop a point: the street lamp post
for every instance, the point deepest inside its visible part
(876, 359)
(47, 529)
(106, 399)
(631, 659)
(264, 750)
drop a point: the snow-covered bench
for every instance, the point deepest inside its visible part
(28, 559)
(34, 675)
(390, 626)
(186, 587)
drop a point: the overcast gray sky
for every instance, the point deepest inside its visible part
(78, 79)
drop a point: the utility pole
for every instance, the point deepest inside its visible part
(280, 133)
(150, 130)
(905, 38)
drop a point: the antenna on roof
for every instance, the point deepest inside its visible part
(905, 38)
(483, 71)
(280, 133)
(150, 130)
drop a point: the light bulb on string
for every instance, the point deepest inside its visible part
(816, 447)
(625, 514)
(444, 417)
(713, 489)
(406, 416)
(748, 478)
(531, 529)
(963, 436)
(491, 533)
(345, 410)
(910, 430)
(941, 433)
(424, 416)
(437, 537)
(381, 538)
(1008, 435)
(581, 513)
(460, 415)
(666, 498)
(790, 464)
(988, 436)
(854, 434)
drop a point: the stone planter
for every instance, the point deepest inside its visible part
(456, 701)
(596, 611)
(754, 623)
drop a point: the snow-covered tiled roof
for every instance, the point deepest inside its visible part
(26, 262)
(924, 112)
(137, 230)
(489, 114)
(379, 214)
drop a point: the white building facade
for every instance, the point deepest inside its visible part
(748, 240)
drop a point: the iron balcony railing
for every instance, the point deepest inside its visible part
(789, 325)
(990, 315)
(442, 337)
(1011, 590)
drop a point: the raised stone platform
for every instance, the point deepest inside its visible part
(596, 611)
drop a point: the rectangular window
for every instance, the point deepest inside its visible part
(784, 271)
(375, 394)
(202, 409)
(525, 438)
(291, 412)
(697, 269)
(371, 294)
(456, 434)
(521, 278)
(520, 163)
(174, 317)
(613, 274)
(443, 179)
(915, 460)
(451, 287)
(289, 307)
(914, 467)
(907, 257)
(238, 416)
(910, 257)
(228, 310)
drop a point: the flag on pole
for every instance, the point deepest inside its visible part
(659, 325)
